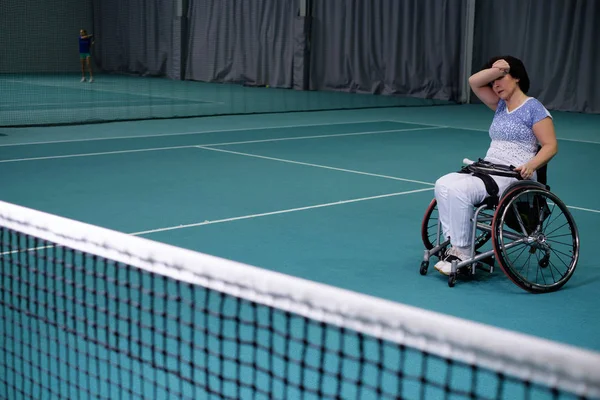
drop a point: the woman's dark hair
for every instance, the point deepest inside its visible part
(517, 70)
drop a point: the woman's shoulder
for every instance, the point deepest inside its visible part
(535, 104)
(535, 110)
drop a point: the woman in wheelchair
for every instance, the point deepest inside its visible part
(522, 135)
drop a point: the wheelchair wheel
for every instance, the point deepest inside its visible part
(535, 239)
(429, 229)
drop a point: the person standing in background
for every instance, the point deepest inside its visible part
(85, 44)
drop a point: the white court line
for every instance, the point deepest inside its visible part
(211, 131)
(94, 154)
(117, 103)
(266, 140)
(317, 136)
(210, 144)
(205, 147)
(102, 107)
(315, 165)
(487, 131)
(251, 216)
(28, 249)
(94, 88)
(289, 210)
(585, 209)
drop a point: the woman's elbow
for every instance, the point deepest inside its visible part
(551, 148)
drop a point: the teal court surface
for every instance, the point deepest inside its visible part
(335, 197)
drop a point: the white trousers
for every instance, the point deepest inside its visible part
(456, 196)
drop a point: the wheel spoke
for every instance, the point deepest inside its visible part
(545, 244)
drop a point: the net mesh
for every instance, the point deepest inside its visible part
(156, 60)
(90, 313)
(60, 99)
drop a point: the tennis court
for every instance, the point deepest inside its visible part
(338, 200)
(331, 197)
(232, 209)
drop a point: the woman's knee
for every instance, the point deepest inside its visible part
(446, 184)
(456, 185)
(448, 181)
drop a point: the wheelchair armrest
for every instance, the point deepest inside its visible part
(485, 167)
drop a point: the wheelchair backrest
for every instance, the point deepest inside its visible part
(542, 173)
(530, 209)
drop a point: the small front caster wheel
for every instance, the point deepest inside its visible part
(424, 266)
(452, 279)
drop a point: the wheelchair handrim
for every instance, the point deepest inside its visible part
(497, 240)
(424, 225)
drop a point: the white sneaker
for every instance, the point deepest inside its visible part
(82, 79)
(91, 80)
(444, 266)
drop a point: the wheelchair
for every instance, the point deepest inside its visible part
(534, 238)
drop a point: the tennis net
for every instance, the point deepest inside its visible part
(60, 99)
(156, 60)
(91, 313)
